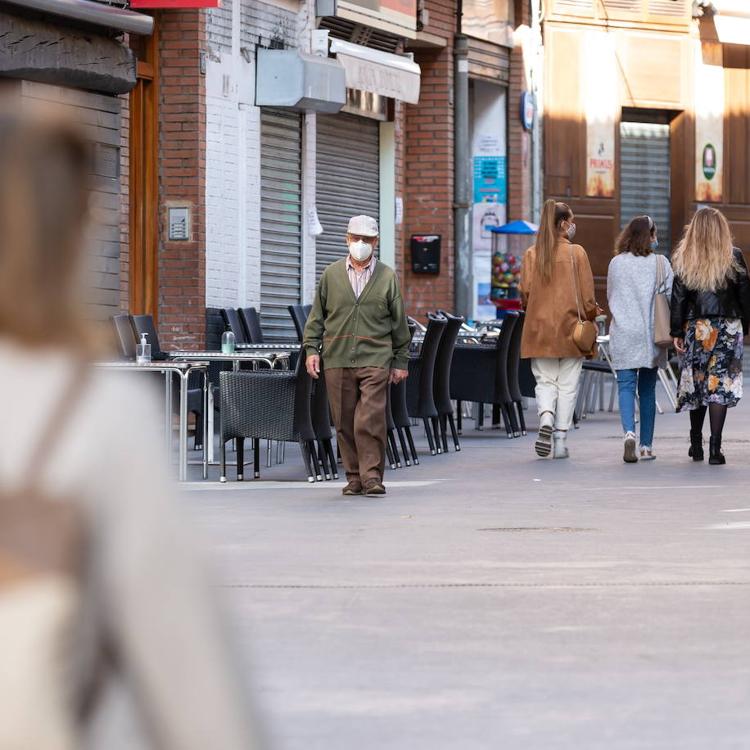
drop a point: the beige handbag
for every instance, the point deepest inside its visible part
(584, 331)
(662, 323)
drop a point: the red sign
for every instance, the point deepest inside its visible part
(175, 4)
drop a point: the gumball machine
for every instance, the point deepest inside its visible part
(509, 242)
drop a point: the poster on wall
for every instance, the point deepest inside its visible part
(709, 122)
(602, 103)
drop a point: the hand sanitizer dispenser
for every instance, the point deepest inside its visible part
(143, 351)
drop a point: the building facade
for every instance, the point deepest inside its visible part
(646, 111)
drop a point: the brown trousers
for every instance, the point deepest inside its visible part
(358, 398)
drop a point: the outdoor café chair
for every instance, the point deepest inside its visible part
(267, 405)
(299, 315)
(442, 383)
(125, 335)
(251, 321)
(233, 323)
(321, 419)
(420, 389)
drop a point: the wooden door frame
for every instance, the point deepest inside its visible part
(144, 183)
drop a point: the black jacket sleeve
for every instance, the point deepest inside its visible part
(743, 290)
(678, 308)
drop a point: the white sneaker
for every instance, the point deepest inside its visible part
(543, 445)
(629, 455)
(647, 454)
(561, 445)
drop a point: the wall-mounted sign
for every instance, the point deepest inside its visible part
(602, 105)
(528, 110)
(425, 253)
(175, 4)
(709, 122)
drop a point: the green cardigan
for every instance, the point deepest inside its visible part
(367, 332)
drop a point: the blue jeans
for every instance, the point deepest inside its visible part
(645, 380)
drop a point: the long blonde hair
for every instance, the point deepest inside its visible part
(553, 214)
(704, 259)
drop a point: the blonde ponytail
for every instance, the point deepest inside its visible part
(553, 214)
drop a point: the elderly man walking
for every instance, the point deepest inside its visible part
(357, 328)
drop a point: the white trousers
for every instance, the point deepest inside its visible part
(557, 387)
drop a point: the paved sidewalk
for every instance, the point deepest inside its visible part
(496, 601)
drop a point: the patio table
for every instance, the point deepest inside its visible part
(183, 369)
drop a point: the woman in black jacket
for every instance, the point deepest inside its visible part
(710, 316)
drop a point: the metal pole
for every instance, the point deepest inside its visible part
(462, 193)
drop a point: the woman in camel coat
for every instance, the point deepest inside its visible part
(551, 271)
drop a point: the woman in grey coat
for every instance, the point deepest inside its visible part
(631, 286)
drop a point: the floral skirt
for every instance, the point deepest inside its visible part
(711, 368)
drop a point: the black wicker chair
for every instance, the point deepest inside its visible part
(391, 447)
(420, 396)
(251, 320)
(321, 420)
(442, 384)
(299, 315)
(267, 405)
(125, 334)
(233, 323)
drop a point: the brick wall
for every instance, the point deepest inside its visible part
(428, 167)
(182, 164)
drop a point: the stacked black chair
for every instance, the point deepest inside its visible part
(125, 335)
(480, 374)
(268, 405)
(233, 323)
(321, 419)
(420, 389)
(251, 321)
(391, 447)
(503, 398)
(145, 324)
(514, 372)
(442, 384)
(299, 315)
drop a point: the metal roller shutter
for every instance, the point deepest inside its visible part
(645, 176)
(280, 220)
(348, 180)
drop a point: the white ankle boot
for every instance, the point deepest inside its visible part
(543, 445)
(561, 444)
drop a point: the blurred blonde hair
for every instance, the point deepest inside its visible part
(704, 258)
(44, 193)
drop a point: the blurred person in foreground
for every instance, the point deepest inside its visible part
(109, 634)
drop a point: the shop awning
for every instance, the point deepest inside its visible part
(381, 73)
(732, 21)
(97, 14)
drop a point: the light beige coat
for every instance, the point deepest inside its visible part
(551, 311)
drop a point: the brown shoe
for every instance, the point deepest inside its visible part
(352, 488)
(374, 488)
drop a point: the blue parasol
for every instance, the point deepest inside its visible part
(515, 227)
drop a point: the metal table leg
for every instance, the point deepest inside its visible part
(168, 412)
(183, 426)
(207, 436)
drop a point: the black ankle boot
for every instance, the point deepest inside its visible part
(715, 456)
(696, 446)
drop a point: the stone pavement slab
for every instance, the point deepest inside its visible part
(494, 600)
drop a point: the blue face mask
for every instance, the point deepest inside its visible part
(654, 244)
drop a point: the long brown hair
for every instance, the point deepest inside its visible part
(43, 205)
(636, 236)
(553, 215)
(704, 259)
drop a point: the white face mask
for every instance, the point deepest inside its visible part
(571, 232)
(360, 250)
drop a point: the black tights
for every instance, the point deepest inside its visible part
(717, 413)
